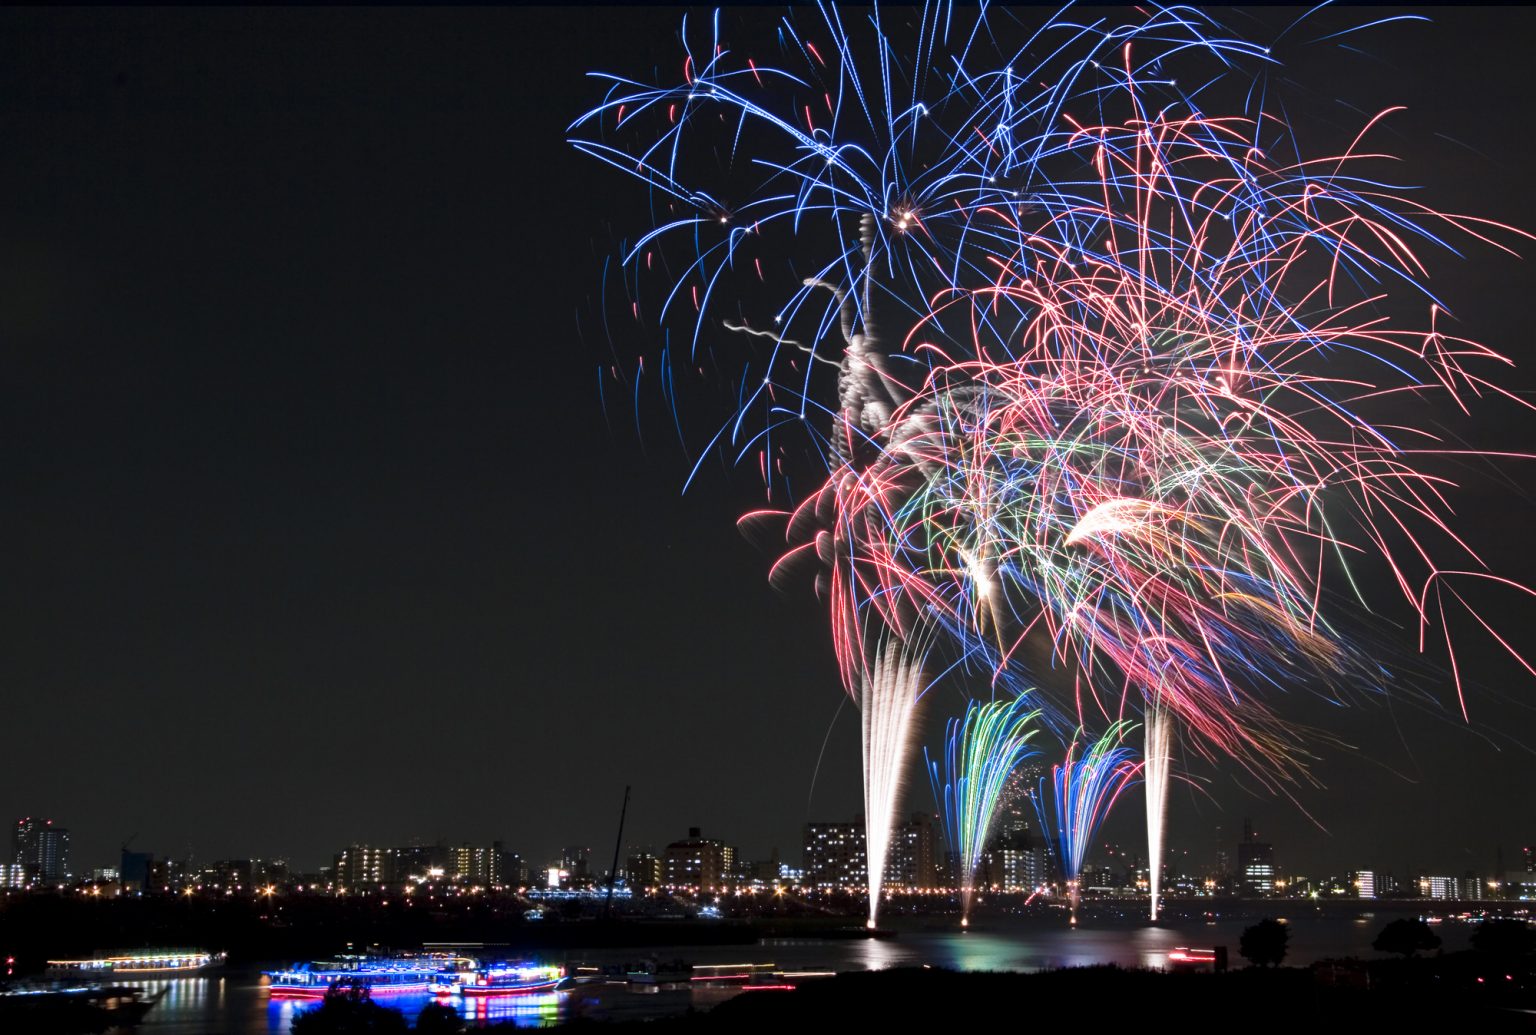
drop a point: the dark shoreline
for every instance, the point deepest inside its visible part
(1418, 993)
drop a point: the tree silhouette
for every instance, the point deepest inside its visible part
(1406, 937)
(350, 1014)
(1506, 939)
(438, 1019)
(1264, 943)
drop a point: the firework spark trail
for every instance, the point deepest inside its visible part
(1156, 760)
(919, 169)
(979, 544)
(889, 693)
(1164, 467)
(981, 753)
(1082, 790)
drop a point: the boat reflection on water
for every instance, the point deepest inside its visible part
(540, 1010)
(536, 1010)
(70, 1007)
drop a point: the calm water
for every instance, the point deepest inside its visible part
(236, 1003)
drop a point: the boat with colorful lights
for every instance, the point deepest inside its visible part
(380, 975)
(509, 978)
(142, 963)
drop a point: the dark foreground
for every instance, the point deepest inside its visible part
(1244, 1000)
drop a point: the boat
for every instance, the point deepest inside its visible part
(731, 973)
(511, 978)
(155, 963)
(380, 975)
(1183, 958)
(652, 971)
(69, 1007)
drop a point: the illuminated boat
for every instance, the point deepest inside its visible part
(497, 979)
(381, 976)
(1184, 958)
(652, 971)
(159, 963)
(731, 973)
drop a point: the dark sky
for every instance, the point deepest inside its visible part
(316, 532)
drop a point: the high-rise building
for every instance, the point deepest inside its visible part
(1103, 878)
(1521, 885)
(915, 857)
(1438, 887)
(1220, 877)
(270, 871)
(577, 861)
(133, 870)
(1017, 863)
(359, 866)
(514, 869)
(418, 862)
(696, 862)
(226, 875)
(643, 870)
(161, 876)
(42, 848)
(478, 865)
(1255, 865)
(1365, 884)
(496, 866)
(834, 856)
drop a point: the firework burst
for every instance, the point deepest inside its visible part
(981, 753)
(1119, 382)
(1079, 793)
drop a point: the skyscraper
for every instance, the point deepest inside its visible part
(1255, 865)
(915, 859)
(418, 862)
(41, 848)
(476, 864)
(1015, 861)
(359, 866)
(643, 870)
(834, 856)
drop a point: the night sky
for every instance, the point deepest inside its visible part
(316, 531)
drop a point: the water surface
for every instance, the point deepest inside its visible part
(235, 1002)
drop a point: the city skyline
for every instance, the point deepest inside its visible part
(1016, 861)
(1221, 852)
(299, 511)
